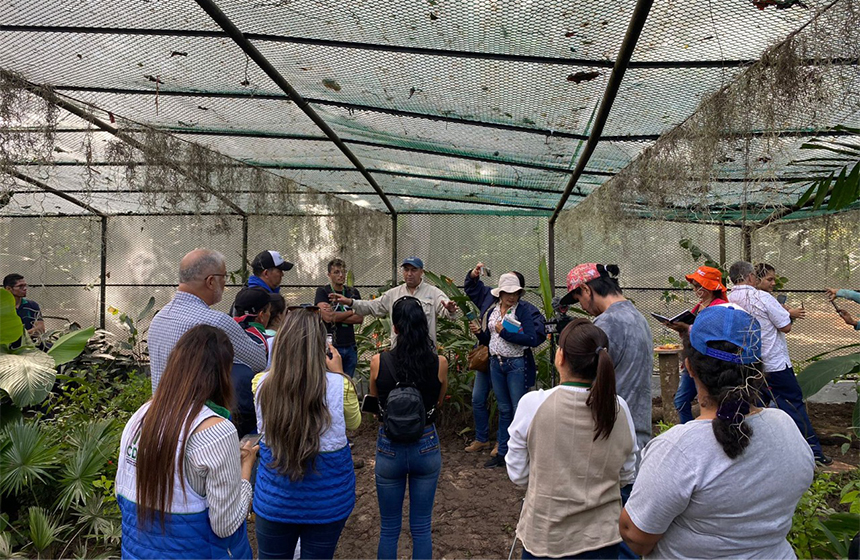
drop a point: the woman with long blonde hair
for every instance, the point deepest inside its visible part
(305, 484)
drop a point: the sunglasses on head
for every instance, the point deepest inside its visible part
(401, 299)
(304, 306)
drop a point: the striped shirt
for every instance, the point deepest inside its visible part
(212, 469)
(180, 315)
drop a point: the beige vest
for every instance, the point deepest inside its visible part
(574, 498)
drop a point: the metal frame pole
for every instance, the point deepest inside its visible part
(103, 274)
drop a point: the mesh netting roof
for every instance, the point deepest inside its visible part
(467, 106)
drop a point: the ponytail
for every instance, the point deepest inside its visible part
(584, 346)
(602, 399)
(733, 387)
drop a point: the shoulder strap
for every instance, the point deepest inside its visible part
(386, 360)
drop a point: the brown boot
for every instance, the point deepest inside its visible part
(477, 446)
(495, 450)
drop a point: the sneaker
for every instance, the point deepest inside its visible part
(358, 463)
(495, 451)
(477, 446)
(824, 460)
(497, 461)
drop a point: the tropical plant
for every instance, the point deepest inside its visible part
(820, 530)
(27, 374)
(835, 182)
(820, 371)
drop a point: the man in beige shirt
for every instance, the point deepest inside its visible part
(432, 299)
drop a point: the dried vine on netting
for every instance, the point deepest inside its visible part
(28, 125)
(797, 85)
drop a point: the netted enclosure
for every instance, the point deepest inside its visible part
(505, 132)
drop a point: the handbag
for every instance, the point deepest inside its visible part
(479, 358)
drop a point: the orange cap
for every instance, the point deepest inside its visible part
(709, 278)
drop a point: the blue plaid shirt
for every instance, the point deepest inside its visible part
(182, 313)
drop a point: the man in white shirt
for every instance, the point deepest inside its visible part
(433, 300)
(775, 322)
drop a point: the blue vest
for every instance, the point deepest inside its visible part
(186, 532)
(326, 493)
(183, 536)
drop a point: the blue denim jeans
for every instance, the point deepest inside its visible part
(624, 551)
(783, 389)
(508, 376)
(610, 551)
(419, 464)
(480, 394)
(349, 357)
(278, 540)
(684, 397)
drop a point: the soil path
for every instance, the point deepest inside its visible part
(476, 509)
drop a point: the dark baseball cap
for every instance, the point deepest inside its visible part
(413, 261)
(270, 259)
(252, 301)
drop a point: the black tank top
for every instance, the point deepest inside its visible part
(427, 382)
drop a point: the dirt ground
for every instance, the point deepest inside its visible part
(476, 509)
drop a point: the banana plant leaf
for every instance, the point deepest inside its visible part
(452, 292)
(816, 375)
(11, 327)
(70, 345)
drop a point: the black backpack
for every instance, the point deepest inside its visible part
(404, 416)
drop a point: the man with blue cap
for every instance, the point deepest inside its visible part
(433, 300)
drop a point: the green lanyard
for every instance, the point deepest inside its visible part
(576, 384)
(218, 409)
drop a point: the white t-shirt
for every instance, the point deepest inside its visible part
(709, 506)
(771, 316)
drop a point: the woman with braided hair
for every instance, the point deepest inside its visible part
(727, 483)
(574, 446)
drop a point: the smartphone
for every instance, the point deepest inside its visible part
(485, 270)
(328, 342)
(370, 404)
(470, 315)
(781, 298)
(253, 438)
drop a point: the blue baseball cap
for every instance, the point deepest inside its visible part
(729, 323)
(413, 261)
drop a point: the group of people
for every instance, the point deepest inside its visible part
(253, 411)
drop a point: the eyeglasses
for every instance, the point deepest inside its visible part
(224, 275)
(304, 306)
(19, 287)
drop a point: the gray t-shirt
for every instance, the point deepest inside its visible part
(709, 506)
(632, 352)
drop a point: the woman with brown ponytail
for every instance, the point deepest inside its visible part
(574, 445)
(726, 484)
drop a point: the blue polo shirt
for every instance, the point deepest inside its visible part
(29, 312)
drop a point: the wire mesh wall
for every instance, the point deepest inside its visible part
(60, 257)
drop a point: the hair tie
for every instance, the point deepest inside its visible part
(599, 348)
(733, 411)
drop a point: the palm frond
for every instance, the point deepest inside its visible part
(27, 457)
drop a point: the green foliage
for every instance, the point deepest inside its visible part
(44, 531)
(820, 530)
(546, 287)
(91, 447)
(70, 345)
(26, 373)
(27, 457)
(820, 372)
(836, 177)
(11, 327)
